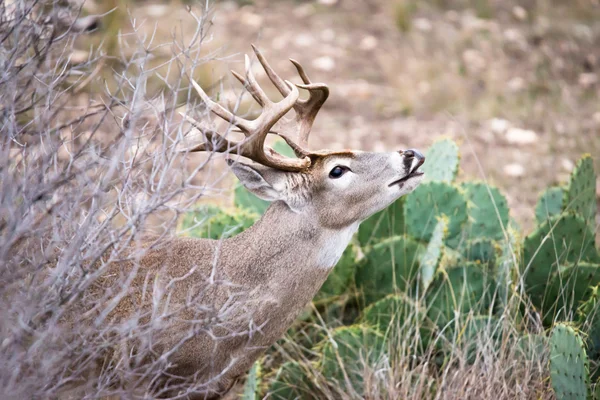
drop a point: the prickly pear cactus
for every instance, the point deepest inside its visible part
(480, 250)
(589, 319)
(581, 190)
(341, 276)
(559, 241)
(549, 204)
(401, 320)
(458, 290)
(431, 200)
(567, 288)
(389, 267)
(346, 353)
(291, 382)
(245, 200)
(214, 223)
(433, 254)
(488, 211)
(251, 386)
(568, 364)
(443, 161)
(383, 225)
(507, 266)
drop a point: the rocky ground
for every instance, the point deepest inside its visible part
(514, 82)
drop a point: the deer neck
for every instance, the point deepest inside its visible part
(289, 243)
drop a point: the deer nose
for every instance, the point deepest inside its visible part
(412, 154)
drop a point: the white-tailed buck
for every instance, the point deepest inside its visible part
(240, 295)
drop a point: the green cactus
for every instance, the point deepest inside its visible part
(581, 190)
(559, 241)
(290, 383)
(488, 211)
(480, 250)
(389, 267)
(589, 319)
(433, 254)
(474, 331)
(401, 320)
(251, 386)
(459, 290)
(431, 200)
(243, 199)
(214, 223)
(568, 364)
(567, 288)
(444, 157)
(549, 204)
(341, 276)
(347, 352)
(382, 225)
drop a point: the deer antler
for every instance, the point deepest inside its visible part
(256, 131)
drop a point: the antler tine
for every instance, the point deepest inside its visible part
(256, 131)
(306, 110)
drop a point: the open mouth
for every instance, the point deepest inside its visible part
(414, 173)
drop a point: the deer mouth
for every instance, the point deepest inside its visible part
(412, 174)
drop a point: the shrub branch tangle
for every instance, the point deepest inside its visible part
(81, 173)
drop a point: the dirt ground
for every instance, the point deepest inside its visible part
(515, 83)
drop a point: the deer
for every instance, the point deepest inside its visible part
(273, 269)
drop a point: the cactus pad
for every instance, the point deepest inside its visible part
(290, 383)
(458, 290)
(215, 223)
(347, 352)
(382, 225)
(389, 267)
(480, 250)
(581, 190)
(488, 211)
(589, 318)
(431, 200)
(568, 364)
(432, 255)
(443, 158)
(559, 241)
(549, 204)
(341, 276)
(252, 384)
(568, 288)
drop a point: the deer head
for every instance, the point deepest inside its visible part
(339, 188)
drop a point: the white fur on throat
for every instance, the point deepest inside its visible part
(336, 242)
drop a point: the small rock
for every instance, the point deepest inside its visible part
(324, 63)
(304, 40)
(516, 84)
(596, 117)
(328, 35)
(520, 13)
(521, 136)
(422, 24)
(567, 164)
(79, 57)
(473, 60)
(588, 79)
(368, 43)
(499, 125)
(327, 2)
(157, 10)
(514, 170)
(252, 20)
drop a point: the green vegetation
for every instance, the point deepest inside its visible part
(440, 272)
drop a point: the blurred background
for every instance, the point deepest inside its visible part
(514, 82)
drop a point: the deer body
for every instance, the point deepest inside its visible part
(275, 285)
(239, 295)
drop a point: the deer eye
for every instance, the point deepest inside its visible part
(338, 171)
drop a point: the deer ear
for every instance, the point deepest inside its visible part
(264, 182)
